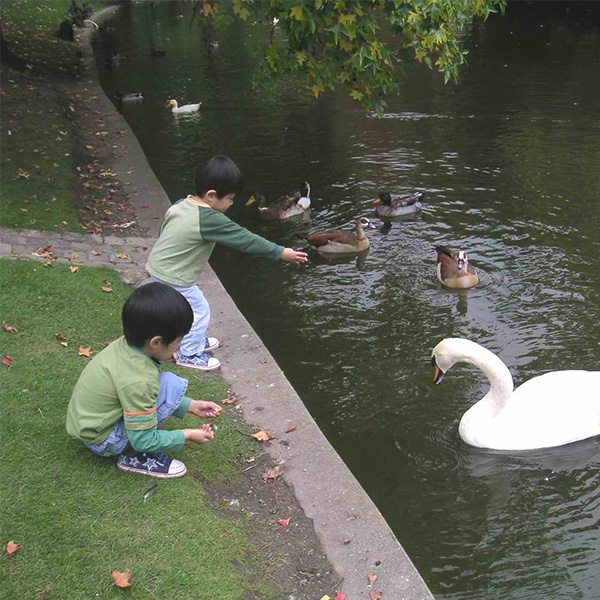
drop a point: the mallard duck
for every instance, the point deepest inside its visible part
(342, 242)
(453, 269)
(133, 97)
(155, 52)
(394, 205)
(186, 108)
(553, 409)
(290, 205)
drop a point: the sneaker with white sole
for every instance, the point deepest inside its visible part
(202, 362)
(154, 465)
(210, 344)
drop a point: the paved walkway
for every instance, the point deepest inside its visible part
(125, 254)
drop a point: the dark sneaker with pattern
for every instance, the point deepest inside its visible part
(153, 465)
(202, 362)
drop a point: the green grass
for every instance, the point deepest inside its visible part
(74, 515)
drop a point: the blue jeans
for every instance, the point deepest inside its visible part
(171, 392)
(194, 342)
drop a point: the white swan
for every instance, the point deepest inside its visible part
(553, 409)
(186, 108)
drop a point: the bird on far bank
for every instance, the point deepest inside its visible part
(395, 205)
(342, 242)
(289, 205)
(186, 108)
(453, 268)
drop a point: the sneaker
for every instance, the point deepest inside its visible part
(210, 344)
(153, 465)
(202, 362)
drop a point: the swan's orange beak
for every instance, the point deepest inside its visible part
(438, 374)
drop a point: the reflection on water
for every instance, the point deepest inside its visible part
(509, 163)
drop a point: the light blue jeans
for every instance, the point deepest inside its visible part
(194, 342)
(171, 392)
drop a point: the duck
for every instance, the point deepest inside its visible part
(289, 205)
(155, 52)
(186, 108)
(342, 242)
(395, 205)
(453, 268)
(133, 97)
(553, 409)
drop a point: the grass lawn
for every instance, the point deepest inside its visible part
(74, 515)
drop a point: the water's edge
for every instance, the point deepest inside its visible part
(325, 488)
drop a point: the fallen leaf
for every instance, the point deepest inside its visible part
(7, 361)
(272, 473)
(47, 265)
(60, 337)
(95, 253)
(22, 174)
(74, 269)
(375, 595)
(284, 522)
(372, 578)
(229, 400)
(339, 596)
(121, 255)
(8, 328)
(262, 436)
(85, 351)
(145, 206)
(23, 210)
(105, 288)
(149, 492)
(326, 597)
(44, 592)
(73, 256)
(11, 548)
(121, 579)
(289, 430)
(65, 344)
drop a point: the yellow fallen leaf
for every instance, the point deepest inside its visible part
(229, 400)
(121, 255)
(326, 597)
(262, 436)
(74, 269)
(121, 579)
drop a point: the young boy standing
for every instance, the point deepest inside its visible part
(121, 398)
(191, 228)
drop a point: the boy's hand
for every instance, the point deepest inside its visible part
(294, 256)
(203, 409)
(199, 436)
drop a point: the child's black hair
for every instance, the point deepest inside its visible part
(221, 174)
(156, 309)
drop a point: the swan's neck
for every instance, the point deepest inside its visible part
(501, 381)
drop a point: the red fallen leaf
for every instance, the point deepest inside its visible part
(44, 592)
(85, 351)
(262, 436)
(284, 522)
(8, 328)
(107, 343)
(290, 429)
(339, 596)
(7, 361)
(375, 595)
(372, 578)
(121, 579)
(105, 288)
(11, 548)
(145, 206)
(60, 337)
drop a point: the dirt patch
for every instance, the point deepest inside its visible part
(261, 498)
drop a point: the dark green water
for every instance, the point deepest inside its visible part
(510, 163)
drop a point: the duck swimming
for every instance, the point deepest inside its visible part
(453, 268)
(186, 108)
(557, 408)
(342, 242)
(395, 205)
(290, 205)
(128, 98)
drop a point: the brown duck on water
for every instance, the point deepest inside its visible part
(453, 269)
(342, 242)
(290, 205)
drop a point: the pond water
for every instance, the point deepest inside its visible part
(509, 160)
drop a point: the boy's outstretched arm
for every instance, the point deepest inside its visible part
(294, 256)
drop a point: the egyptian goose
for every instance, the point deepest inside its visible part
(394, 205)
(453, 269)
(290, 205)
(553, 409)
(342, 242)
